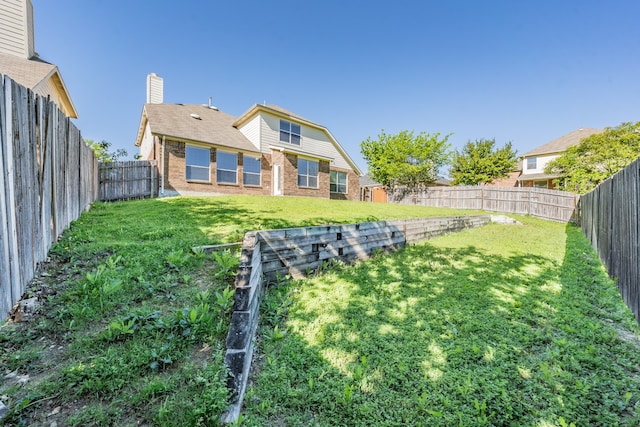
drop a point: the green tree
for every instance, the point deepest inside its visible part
(596, 158)
(101, 149)
(480, 162)
(405, 159)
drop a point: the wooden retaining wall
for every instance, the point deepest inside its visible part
(270, 256)
(548, 204)
(610, 218)
(48, 177)
(128, 180)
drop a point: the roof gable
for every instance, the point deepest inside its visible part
(288, 115)
(34, 73)
(561, 144)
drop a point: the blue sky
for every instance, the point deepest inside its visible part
(520, 71)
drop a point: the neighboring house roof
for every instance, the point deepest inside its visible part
(536, 176)
(560, 145)
(281, 112)
(210, 125)
(441, 180)
(35, 74)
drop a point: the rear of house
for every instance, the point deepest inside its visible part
(266, 151)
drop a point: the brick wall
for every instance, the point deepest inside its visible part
(175, 173)
(290, 178)
(353, 186)
(510, 180)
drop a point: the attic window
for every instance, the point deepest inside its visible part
(532, 163)
(289, 132)
(195, 116)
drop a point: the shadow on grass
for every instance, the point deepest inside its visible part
(446, 335)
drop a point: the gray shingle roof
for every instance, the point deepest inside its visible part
(561, 144)
(39, 76)
(212, 126)
(289, 113)
(27, 72)
(536, 176)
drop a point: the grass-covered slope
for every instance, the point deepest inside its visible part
(502, 325)
(130, 325)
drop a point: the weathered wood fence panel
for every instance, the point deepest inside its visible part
(47, 179)
(548, 204)
(610, 218)
(128, 180)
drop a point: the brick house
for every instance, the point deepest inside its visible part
(266, 151)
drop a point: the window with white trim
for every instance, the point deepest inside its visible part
(307, 173)
(338, 182)
(226, 167)
(532, 163)
(289, 132)
(197, 160)
(251, 170)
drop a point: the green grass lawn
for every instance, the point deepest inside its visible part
(132, 324)
(504, 325)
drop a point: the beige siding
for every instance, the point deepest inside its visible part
(155, 89)
(47, 88)
(541, 162)
(314, 141)
(31, 49)
(251, 130)
(13, 28)
(269, 131)
(146, 146)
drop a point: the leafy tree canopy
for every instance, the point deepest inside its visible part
(596, 158)
(405, 159)
(101, 149)
(480, 163)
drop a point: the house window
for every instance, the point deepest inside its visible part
(338, 182)
(226, 167)
(540, 184)
(532, 163)
(197, 161)
(289, 132)
(307, 173)
(251, 170)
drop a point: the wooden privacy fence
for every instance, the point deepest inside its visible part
(128, 180)
(548, 204)
(48, 177)
(610, 218)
